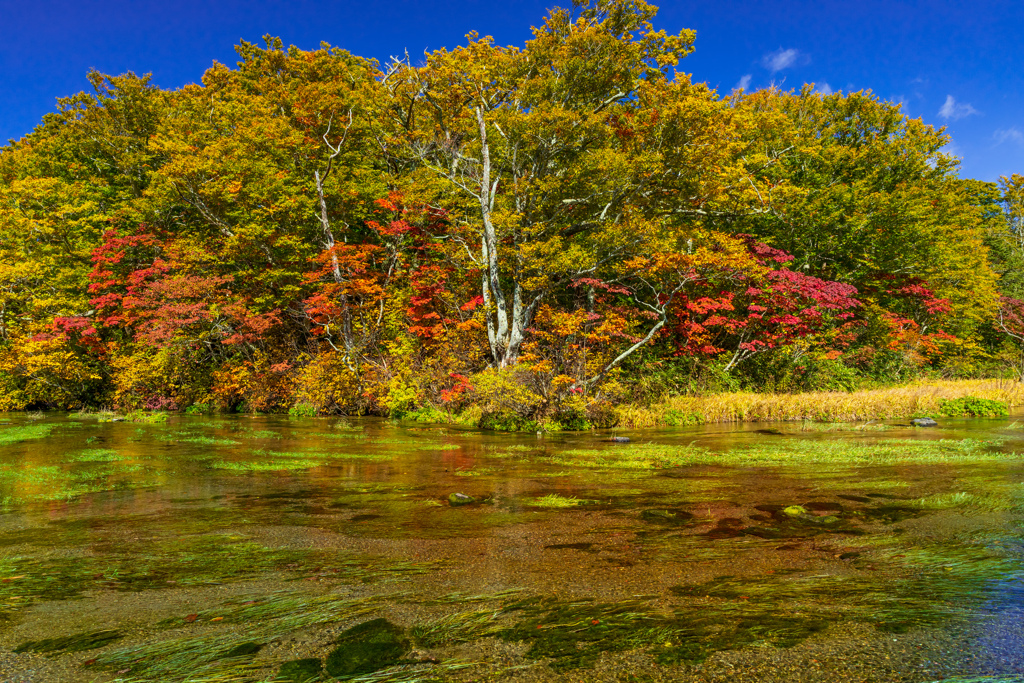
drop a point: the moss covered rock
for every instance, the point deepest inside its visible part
(368, 647)
(300, 671)
(457, 499)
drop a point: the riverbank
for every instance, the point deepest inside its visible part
(914, 400)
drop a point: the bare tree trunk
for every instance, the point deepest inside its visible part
(494, 295)
(346, 314)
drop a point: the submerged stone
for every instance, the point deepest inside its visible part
(457, 499)
(244, 649)
(666, 516)
(569, 546)
(300, 671)
(924, 422)
(619, 439)
(368, 647)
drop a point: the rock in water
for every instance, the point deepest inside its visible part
(619, 439)
(368, 647)
(244, 649)
(794, 511)
(457, 499)
(924, 422)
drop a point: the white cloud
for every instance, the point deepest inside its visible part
(1009, 135)
(782, 59)
(951, 109)
(824, 89)
(744, 82)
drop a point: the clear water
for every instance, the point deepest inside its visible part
(727, 553)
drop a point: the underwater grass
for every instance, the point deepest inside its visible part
(20, 484)
(207, 559)
(461, 627)
(286, 610)
(188, 659)
(963, 500)
(94, 455)
(206, 440)
(13, 435)
(553, 500)
(77, 642)
(461, 597)
(788, 452)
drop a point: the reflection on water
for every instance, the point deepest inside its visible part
(267, 548)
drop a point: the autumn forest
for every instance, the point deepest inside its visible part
(513, 235)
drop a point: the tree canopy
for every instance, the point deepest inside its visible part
(550, 222)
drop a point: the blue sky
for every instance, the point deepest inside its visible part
(954, 63)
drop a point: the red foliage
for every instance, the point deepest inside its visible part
(763, 310)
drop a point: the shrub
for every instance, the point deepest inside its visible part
(680, 418)
(507, 422)
(426, 413)
(971, 406)
(302, 410)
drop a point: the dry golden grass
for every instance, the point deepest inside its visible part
(873, 404)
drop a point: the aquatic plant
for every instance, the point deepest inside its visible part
(553, 500)
(76, 642)
(460, 627)
(12, 435)
(972, 406)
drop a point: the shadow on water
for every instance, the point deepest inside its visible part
(319, 549)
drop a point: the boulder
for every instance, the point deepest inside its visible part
(457, 499)
(619, 439)
(924, 422)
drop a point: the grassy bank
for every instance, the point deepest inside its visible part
(924, 398)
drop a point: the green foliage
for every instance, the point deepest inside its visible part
(507, 422)
(302, 410)
(427, 413)
(970, 406)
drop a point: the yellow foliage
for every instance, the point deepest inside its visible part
(42, 372)
(328, 385)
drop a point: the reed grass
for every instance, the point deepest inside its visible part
(856, 406)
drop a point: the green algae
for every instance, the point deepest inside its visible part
(300, 671)
(368, 647)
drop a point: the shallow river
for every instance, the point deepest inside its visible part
(274, 549)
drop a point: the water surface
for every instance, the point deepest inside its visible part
(244, 548)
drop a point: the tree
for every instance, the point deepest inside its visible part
(553, 154)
